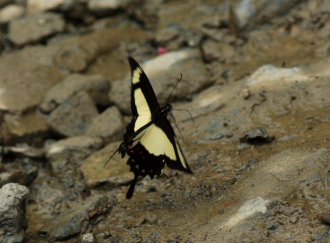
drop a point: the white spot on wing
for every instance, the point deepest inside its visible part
(136, 75)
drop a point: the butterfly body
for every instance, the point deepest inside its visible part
(149, 139)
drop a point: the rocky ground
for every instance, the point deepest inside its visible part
(255, 80)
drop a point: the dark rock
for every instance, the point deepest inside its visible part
(96, 86)
(33, 28)
(107, 125)
(257, 136)
(74, 221)
(13, 222)
(73, 117)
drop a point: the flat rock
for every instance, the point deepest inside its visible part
(33, 28)
(107, 125)
(24, 128)
(164, 72)
(98, 169)
(97, 86)
(10, 12)
(73, 117)
(34, 6)
(75, 221)
(77, 148)
(13, 221)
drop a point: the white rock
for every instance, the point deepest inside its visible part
(10, 12)
(103, 6)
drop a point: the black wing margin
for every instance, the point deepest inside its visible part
(145, 86)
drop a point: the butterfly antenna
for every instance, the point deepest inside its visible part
(168, 97)
(117, 150)
(192, 118)
(176, 126)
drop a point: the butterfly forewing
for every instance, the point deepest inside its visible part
(143, 99)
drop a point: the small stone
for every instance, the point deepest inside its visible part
(257, 136)
(10, 12)
(88, 238)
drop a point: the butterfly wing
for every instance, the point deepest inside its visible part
(149, 140)
(144, 103)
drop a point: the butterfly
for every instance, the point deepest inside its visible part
(149, 139)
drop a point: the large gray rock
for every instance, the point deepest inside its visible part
(33, 28)
(107, 125)
(13, 222)
(73, 117)
(96, 86)
(164, 72)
